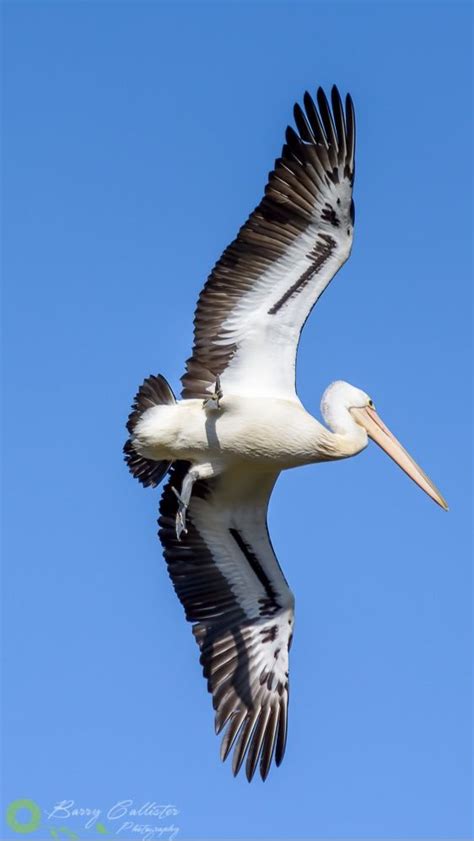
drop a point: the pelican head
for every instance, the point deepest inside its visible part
(350, 412)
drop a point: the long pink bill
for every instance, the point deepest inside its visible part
(376, 429)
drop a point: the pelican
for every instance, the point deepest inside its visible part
(239, 423)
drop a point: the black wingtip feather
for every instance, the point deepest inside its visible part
(350, 123)
(293, 143)
(302, 124)
(282, 733)
(328, 124)
(314, 120)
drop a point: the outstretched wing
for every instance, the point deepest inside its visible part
(228, 579)
(254, 304)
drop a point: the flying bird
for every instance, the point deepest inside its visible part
(239, 423)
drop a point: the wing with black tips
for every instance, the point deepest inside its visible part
(229, 581)
(256, 300)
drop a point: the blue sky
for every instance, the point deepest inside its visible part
(137, 140)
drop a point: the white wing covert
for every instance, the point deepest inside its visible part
(256, 300)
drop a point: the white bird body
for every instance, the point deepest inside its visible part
(268, 432)
(240, 423)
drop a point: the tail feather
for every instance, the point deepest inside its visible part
(155, 391)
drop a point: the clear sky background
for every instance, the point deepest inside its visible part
(138, 137)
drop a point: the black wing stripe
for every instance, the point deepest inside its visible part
(256, 568)
(321, 253)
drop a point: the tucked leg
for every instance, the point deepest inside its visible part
(217, 395)
(201, 471)
(183, 500)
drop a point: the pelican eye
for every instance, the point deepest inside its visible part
(371, 404)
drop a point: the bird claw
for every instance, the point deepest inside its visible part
(217, 395)
(180, 515)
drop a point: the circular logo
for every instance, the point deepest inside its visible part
(19, 826)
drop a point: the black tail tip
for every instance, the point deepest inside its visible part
(154, 391)
(149, 473)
